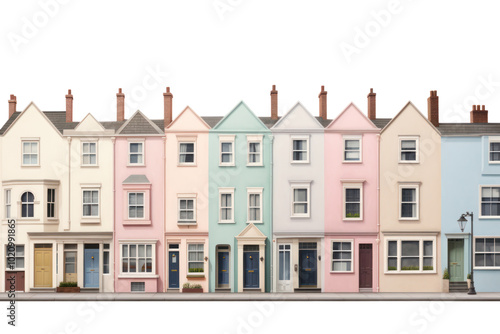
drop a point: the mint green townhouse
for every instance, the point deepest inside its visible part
(240, 195)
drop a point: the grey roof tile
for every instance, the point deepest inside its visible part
(381, 122)
(324, 122)
(468, 129)
(211, 120)
(136, 179)
(138, 124)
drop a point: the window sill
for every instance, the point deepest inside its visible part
(7, 270)
(300, 162)
(31, 219)
(251, 165)
(300, 217)
(408, 162)
(356, 220)
(412, 272)
(489, 217)
(136, 222)
(486, 268)
(255, 222)
(226, 222)
(122, 275)
(227, 165)
(187, 165)
(89, 166)
(192, 223)
(136, 165)
(341, 272)
(30, 166)
(201, 275)
(90, 220)
(409, 219)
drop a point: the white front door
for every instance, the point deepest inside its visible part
(284, 268)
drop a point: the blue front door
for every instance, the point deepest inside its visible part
(173, 271)
(308, 272)
(223, 265)
(251, 269)
(91, 263)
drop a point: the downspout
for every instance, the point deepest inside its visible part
(113, 140)
(164, 238)
(68, 228)
(271, 283)
(378, 213)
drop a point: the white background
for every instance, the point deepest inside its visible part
(215, 53)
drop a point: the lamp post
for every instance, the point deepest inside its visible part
(462, 222)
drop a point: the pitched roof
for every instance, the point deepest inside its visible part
(469, 129)
(136, 179)
(381, 122)
(139, 124)
(58, 119)
(211, 120)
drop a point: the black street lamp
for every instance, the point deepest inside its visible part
(462, 222)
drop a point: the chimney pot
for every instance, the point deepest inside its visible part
(120, 106)
(274, 103)
(69, 107)
(12, 105)
(372, 105)
(167, 107)
(433, 108)
(322, 103)
(479, 114)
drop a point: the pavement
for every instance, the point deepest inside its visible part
(277, 297)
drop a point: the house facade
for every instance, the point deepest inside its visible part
(298, 202)
(470, 182)
(139, 203)
(410, 205)
(187, 201)
(240, 226)
(351, 203)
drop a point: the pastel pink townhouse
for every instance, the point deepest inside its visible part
(351, 201)
(139, 202)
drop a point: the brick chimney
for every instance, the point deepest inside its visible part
(322, 103)
(372, 106)
(433, 108)
(274, 103)
(167, 107)
(69, 107)
(120, 105)
(12, 105)
(478, 114)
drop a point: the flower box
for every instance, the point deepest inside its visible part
(192, 290)
(71, 289)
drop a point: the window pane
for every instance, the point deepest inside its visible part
(135, 147)
(392, 263)
(336, 246)
(428, 262)
(351, 155)
(480, 245)
(300, 208)
(149, 250)
(254, 147)
(408, 144)
(489, 260)
(408, 195)
(352, 195)
(133, 266)
(19, 262)
(299, 145)
(427, 248)
(352, 144)
(226, 147)
(226, 157)
(410, 263)
(489, 245)
(346, 246)
(141, 250)
(408, 210)
(20, 250)
(479, 260)
(125, 266)
(300, 195)
(133, 249)
(410, 248)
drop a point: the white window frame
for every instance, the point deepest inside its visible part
(481, 216)
(254, 191)
(98, 203)
(27, 203)
(143, 205)
(89, 142)
(307, 139)
(255, 139)
(417, 196)
(54, 203)
(143, 153)
(346, 186)
(494, 252)
(227, 139)
(300, 185)
(179, 144)
(352, 137)
(32, 141)
(194, 273)
(6, 256)
(108, 251)
(188, 197)
(8, 203)
(231, 192)
(399, 240)
(417, 149)
(342, 260)
(137, 243)
(491, 140)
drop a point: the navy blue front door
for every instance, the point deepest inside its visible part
(308, 275)
(173, 271)
(251, 269)
(223, 265)
(91, 263)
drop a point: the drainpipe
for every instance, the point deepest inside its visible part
(378, 214)
(164, 239)
(68, 228)
(271, 138)
(113, 140)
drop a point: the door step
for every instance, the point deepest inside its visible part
(222, 290)
(458, 287)
(365, 290)
(173, 290)
(43, 290)
(257, 290)
(300, 290)
(89, 290)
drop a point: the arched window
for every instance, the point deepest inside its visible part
(27, 205)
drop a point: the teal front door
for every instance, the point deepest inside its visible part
(456, 260)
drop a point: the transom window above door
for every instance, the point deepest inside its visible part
(408, 149)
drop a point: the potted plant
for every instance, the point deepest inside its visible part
(468, 281)
(68, 287)
(446, 280)
(188, 287)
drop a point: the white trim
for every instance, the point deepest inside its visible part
(341, 260)
(143, 204)
(417, 149)
(493, 139)
(152, 243)
(185, 197)
(300, 185)
(346, 186)
(231, 192)
(481, 201)
(143, 152)
(84, 189)
(89, 141)
(255, 191)
(486, 252)
(308, 150)
(8, 204)
(255, 139)
(186, 140)
(421, 240)
(415, 186)
(359, 138)
(202, 261)
(227, 139)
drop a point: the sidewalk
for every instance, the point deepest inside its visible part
(392, 296)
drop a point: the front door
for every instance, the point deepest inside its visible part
(251, 269)
(223, 269)
(308, 270)
(15, 280)
(456, 258)
(43, 266)
(284, 268)
(91, 265)
(173, 269)
(365, 266)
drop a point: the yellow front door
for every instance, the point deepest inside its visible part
(43, 266)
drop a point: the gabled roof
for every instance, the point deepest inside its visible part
(251, 231)
(89, 120)
(139, 124)
(352, 106)
(262, 121)
(406, 108)
(296, 108)
(469, 129)
(381, 122)
(189, 110)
